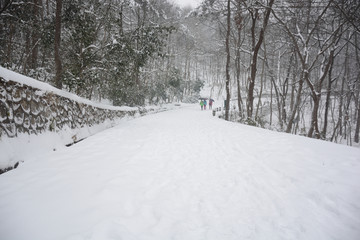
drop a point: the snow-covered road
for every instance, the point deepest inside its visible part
(186, 175)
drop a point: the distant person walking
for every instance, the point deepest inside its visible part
(205, 103)
(211, 103)
(202, 104)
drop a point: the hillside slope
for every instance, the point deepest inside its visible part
(184, 174)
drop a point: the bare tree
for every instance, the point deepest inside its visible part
(239, 26)
(254, 12)
(302, 42)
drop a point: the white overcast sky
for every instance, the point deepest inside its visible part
(184, 3)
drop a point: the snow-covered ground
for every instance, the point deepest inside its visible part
(184, 174)
(39, 143)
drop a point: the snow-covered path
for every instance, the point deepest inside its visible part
(184, 174)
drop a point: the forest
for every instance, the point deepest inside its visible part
(287, 65)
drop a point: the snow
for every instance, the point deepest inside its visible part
(45, 142)
(184, 174)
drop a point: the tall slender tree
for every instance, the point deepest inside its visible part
(57, 41)
(256, 44)
(227, 45)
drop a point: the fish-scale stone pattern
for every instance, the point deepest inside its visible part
(25, 109)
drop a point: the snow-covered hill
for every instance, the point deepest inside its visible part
(184, 174)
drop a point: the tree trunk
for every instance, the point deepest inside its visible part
(35, 35)
(277, 93)
(261, 83)
(26, 54)
(10, 45)
(121, 29)
(314, 119)
(227, 104)
(292, 97)
(261, 90)
(58, 64)
(297, 103)
(251, 78)
(278, 103)
(357, 128)
(271, 101)
(341, 101)
(316, 96)
(238, 20)
(285, 89)
(253, 69)
(327, 103)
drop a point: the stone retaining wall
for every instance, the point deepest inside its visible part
(24, 109)
(27, 111)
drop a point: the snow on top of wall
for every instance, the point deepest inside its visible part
(16, 150)
(24, 80)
